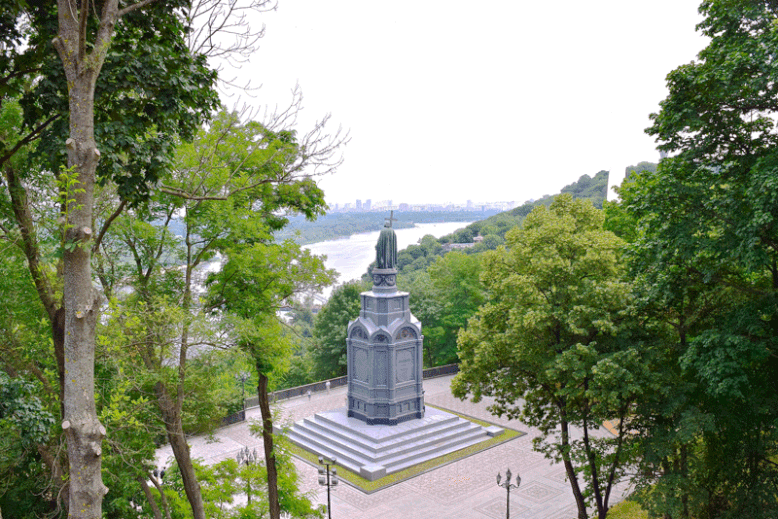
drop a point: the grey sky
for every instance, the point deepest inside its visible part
(486, 101)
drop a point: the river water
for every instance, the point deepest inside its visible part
(351, 256)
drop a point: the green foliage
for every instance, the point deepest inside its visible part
(329, 331)
(151, 93)
(226, 482)
(629, 171)
(554, 343)
(588, 188)
(24, 423)
(704, 258)
(444, 298)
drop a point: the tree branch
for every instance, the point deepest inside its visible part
(99, 239)
(29, 138)
(133, 7)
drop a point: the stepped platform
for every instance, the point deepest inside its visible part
(373, 451)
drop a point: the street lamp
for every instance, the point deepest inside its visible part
(247, 457)
(328, 477)
(243, 377)
(508, 487)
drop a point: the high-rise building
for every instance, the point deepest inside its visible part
(368, 202)
(359, 204)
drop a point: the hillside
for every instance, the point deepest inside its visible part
(491, 230)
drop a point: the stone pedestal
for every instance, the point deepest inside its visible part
(385, 356)
(374, 451)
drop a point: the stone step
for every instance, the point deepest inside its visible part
(406, 454)
(344, 458)
(378, 448)
(389, 432)
(442, 451)
(400, 446)
(431, 447)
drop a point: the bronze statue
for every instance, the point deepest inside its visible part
(386, 248)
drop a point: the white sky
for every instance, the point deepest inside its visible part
(448, 101)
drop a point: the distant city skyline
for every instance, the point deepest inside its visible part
(367, 205)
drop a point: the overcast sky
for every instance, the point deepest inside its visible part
(448, 101)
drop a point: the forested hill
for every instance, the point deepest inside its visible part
(492, 230)
(586, 187)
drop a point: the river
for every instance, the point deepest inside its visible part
(351, 256)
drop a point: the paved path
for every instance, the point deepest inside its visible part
(465, 489)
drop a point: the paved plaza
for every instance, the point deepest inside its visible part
(466, 489)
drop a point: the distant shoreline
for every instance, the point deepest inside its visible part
(335, 226)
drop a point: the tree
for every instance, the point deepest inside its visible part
(329, 330)
(706, 255)
(259, 275)
(251, 287)
(553, 343)
(141, 124)
(230, 187)
(444, 298)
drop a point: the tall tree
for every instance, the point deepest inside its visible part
(707, 256)
(138, 121)
(553, 343)
(252, 286)
(455, 283)
(230, 185)
(249, 177)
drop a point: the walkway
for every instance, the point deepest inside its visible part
(465, 489)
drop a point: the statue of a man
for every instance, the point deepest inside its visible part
(386, 248)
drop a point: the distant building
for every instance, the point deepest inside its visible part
(359, 204)
(367, 204)
(447, 247)
(405, 207)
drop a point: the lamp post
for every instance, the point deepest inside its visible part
(247, 457)
(243, 377)
(508, 487)
(328, 477)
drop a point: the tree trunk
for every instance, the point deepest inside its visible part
(162, 498)
(177, 439)
(267, 439)
(54, 310)
(150, 498)
(82, 427)
(579, 500)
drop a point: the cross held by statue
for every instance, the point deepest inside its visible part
(389, 220)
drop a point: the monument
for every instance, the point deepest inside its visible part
(385, 426)
(384, 347)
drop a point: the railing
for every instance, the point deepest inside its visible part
(318, 387)
(230, 419)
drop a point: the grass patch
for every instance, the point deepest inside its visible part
(627, 510)
(373, 486)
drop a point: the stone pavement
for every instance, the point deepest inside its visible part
(466, 489)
